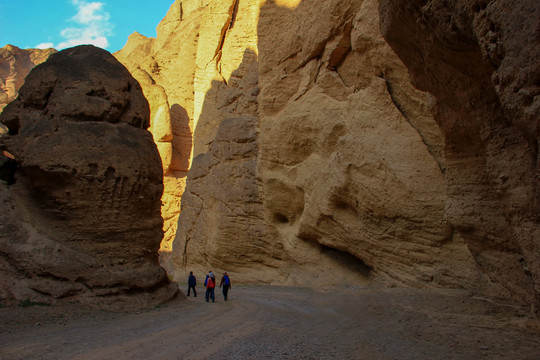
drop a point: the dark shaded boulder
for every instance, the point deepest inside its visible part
(83, 213)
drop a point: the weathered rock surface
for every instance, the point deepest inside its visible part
(352, 177)
(177, 71)
(350, 157)
(15, 64)
(304, 154)
(165, 69)
(84, 208)
(480, 60)
(314, 159)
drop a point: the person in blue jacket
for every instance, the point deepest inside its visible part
(226, 283)
(192, 282)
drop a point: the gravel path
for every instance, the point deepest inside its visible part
(264, 322)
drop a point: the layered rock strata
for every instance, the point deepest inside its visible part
(305, 155)
(314, 159)
(84, 200)
(480, 60)
(350, 158)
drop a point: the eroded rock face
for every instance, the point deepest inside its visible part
(165, 68)
(15, 64)
(350, 158)
(182, 66)
(314, 158)
(85, 203)
(480, 61)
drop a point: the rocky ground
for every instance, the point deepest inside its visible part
(263, 322)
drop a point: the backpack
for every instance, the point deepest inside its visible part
(211, 282)
(226, 280)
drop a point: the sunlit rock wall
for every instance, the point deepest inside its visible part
(165, 68)
(191, 73)
(311, 157)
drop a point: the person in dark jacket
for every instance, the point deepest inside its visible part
(192, 282)
(226, 283)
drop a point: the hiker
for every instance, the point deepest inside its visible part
(210, 284)
(192, 282)
(226, 283)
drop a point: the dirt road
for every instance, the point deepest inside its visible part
(263, 322)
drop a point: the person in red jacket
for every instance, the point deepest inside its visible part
(210, 284)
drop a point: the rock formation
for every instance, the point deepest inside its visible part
(15, 64)
(84, 201)
(169, 122)
(314, 159)
(480, 60)
(350, 158)
(309, 149)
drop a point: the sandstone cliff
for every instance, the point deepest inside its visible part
(314, 159)
(82, 206)
(15, 64)
(305, 151)
(480, 59)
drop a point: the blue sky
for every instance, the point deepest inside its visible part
(66, 23)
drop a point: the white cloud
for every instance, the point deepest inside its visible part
(90, 12)
(45, 45)
(92, 26)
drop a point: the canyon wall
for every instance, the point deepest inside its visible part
(313, 158)
(165, 69)
(15, 64)
(480, 60)
(80, 204)
(316, 160)
(306, 148)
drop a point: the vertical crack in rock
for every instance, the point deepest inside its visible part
(181, 12)
(407, 117)
(234, 13)
(342, 49)
(189, 233)
(229, 24)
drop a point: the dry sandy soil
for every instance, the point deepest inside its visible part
(264, 322)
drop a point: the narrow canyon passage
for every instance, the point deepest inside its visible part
(262, 322)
